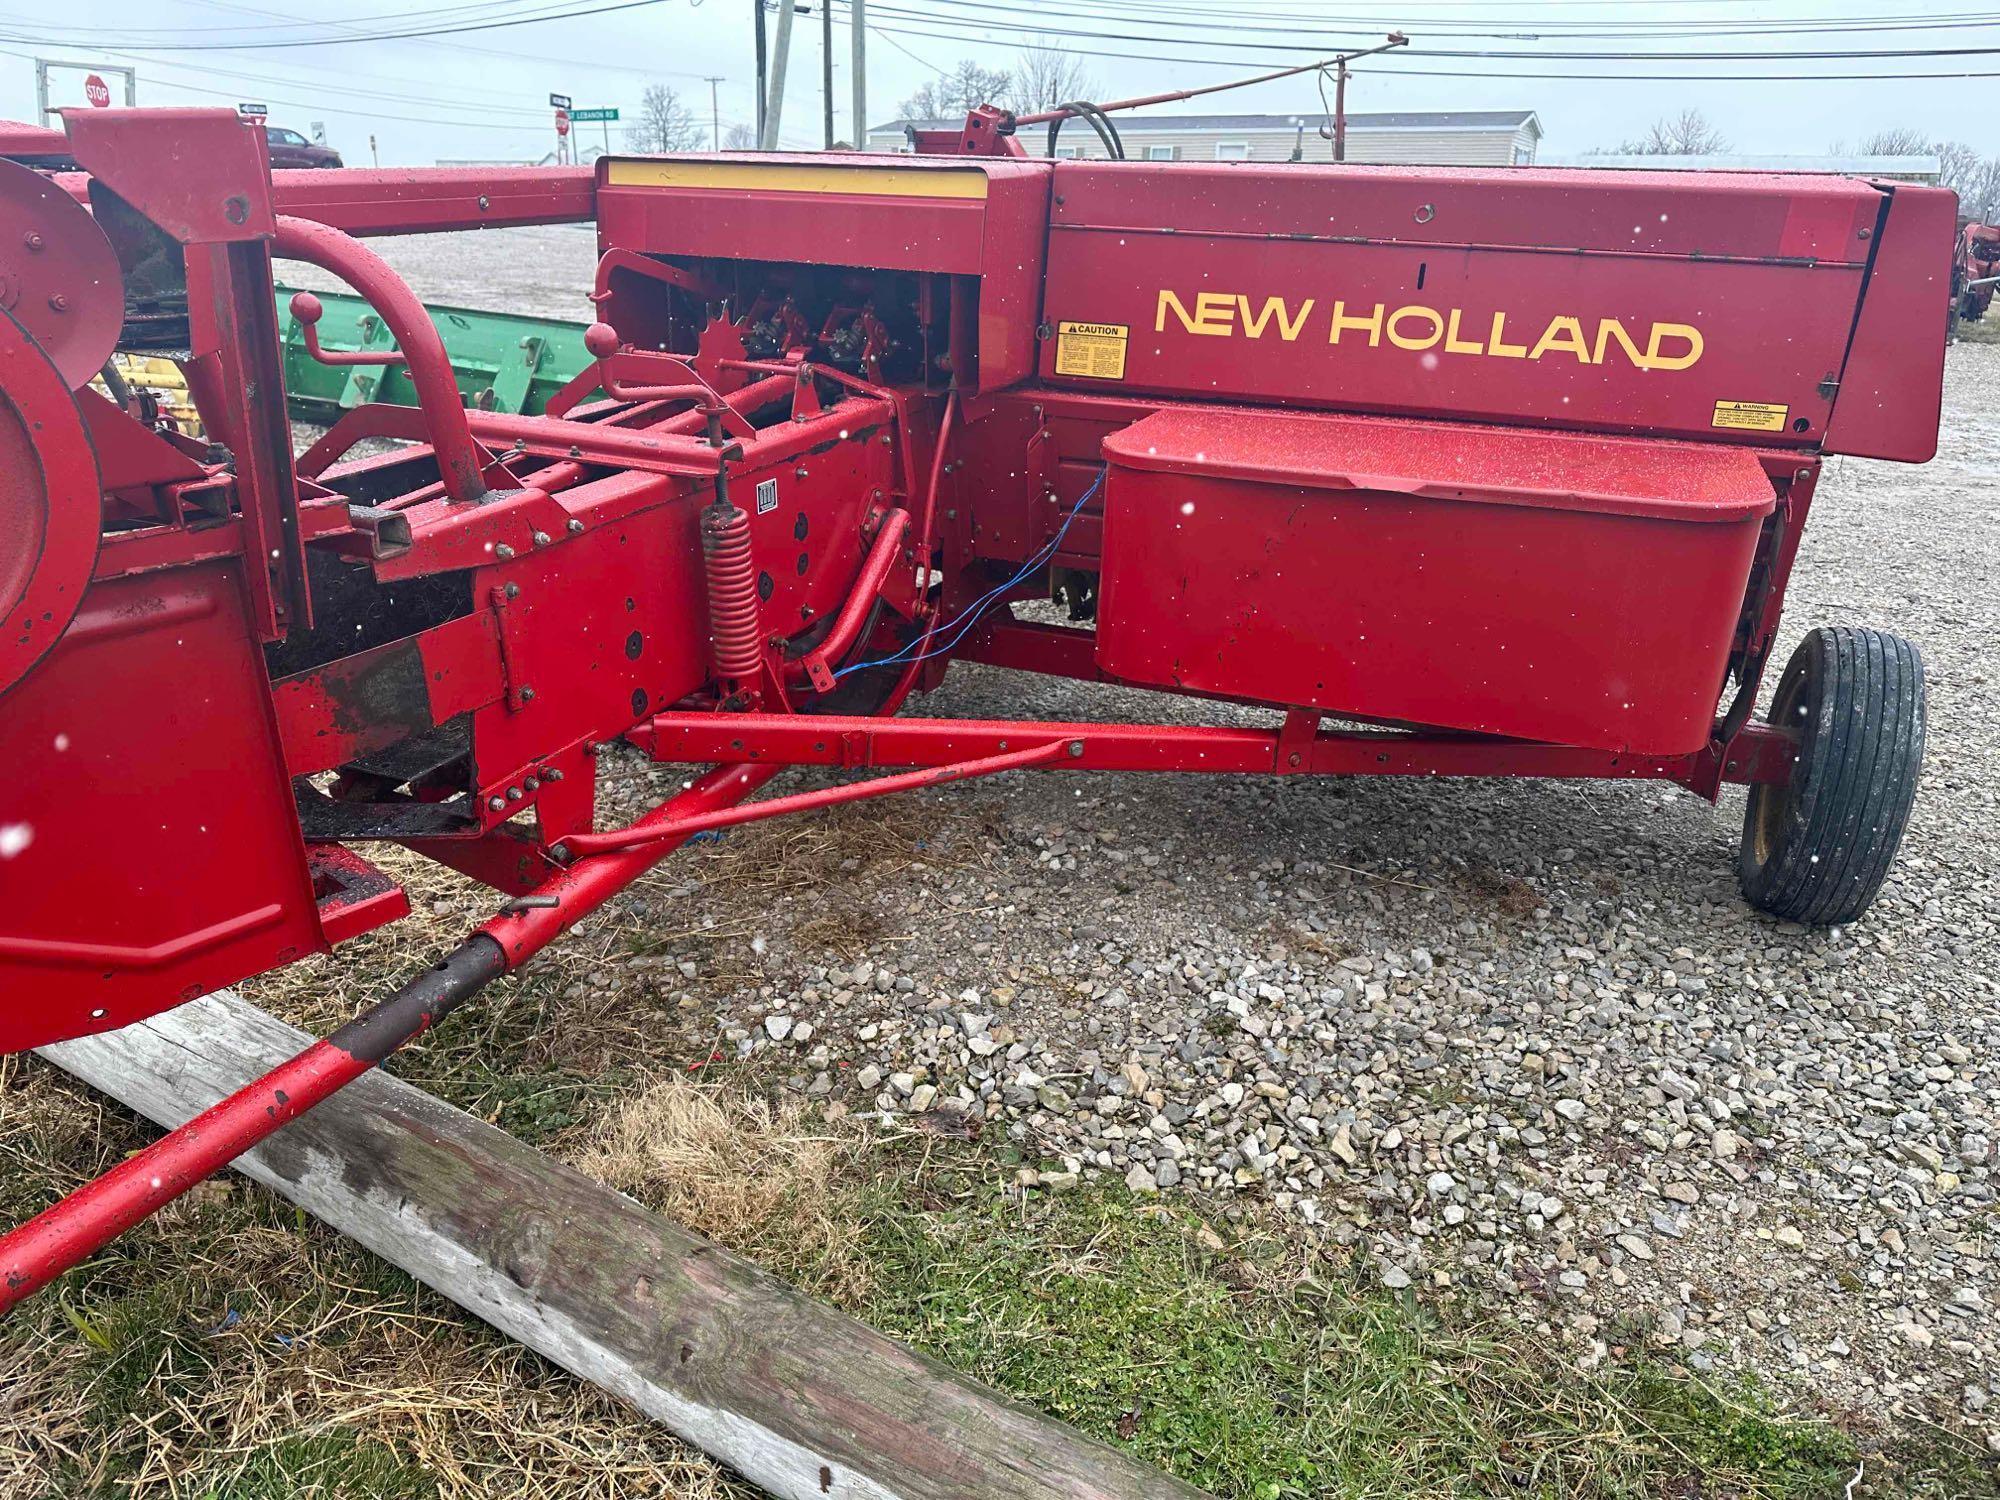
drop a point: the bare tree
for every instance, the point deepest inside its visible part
(1688, 133)
(952, 94)
(1974, 178)
(1979, 193)
(1045, 77)
(1898, 140)
(740, 138)
(1958, 164)
(664, 123)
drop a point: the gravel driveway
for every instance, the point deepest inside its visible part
(1521, 1039)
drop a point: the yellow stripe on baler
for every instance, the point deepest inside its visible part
(786, 177)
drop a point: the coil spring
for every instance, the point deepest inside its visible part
(732, 592)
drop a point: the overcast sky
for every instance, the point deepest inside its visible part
(484, 94)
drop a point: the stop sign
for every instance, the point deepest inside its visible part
(562, 122)
(97, 91)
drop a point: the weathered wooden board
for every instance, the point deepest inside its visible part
(798, 1398)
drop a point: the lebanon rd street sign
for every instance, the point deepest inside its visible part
(593, 116)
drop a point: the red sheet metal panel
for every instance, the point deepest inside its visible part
(1714, 305)
(152, 851)
(1892, 387)
(894, 213)
(1548, 586)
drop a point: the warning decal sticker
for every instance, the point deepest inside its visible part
(1750, 416)
(1096, 350)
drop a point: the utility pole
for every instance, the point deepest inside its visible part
(757, 7)
(1395, 39)
(826, 65)
(857, 18)
(714, 109)
(782, 47)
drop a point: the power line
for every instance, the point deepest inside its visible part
(458, 48)
(1201, 18)
(1523, 55)
(1399, 71)
(339, 39)
(282, 23)
(460, 105)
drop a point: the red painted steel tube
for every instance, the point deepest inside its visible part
(1758, 754)
(416, 336)
(420, 200)
(588, 883)
(832, 796)
(64, 1234)
(927, 524)
(99, 1211)
(820, 661)
(1063, 112)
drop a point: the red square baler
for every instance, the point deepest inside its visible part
(1450, 472)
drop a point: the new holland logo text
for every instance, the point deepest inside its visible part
(1451, 330)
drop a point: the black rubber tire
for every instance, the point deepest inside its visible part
(1817, 849)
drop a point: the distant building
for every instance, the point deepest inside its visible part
(1923, 169)
(1459, 138)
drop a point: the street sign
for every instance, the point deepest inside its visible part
(562, 122)
(593, 116)
(253, 111)
(559, 101)
(97, 91)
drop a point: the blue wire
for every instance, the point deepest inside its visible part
(972, 610)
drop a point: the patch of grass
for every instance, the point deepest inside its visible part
(1266, 1383)
(324, 1466)
(233, 1348)
(761, 1179)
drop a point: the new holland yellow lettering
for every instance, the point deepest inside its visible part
(1498, 344)
(1655, 360)
(1565, 336)
(1610, 328)
(1407, 341)
(1202, 319)
(1668, 346)
(1288, 326)
(1372, 322)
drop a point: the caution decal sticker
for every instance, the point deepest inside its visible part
(1095, 350)
(1750, 416)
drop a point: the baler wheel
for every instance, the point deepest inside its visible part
(1817, 848)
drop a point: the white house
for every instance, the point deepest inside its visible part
(1464, 138)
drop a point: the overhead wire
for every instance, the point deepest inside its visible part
(1510, 55)
(1400, 69)
(1168, 13)
(344, 38)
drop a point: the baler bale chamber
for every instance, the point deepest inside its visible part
(1457, 473)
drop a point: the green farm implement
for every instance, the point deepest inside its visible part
(503, 363)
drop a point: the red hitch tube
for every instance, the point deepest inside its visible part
(66, 1233)
(680, 827)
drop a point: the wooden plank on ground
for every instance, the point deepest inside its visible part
(798, 1398)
